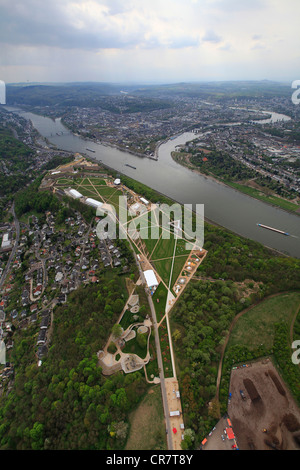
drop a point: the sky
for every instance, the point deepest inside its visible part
(159, 41)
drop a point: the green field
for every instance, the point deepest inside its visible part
(147, 424)
(256, 327)
(95, 188)
(160, 301)
(166, 253)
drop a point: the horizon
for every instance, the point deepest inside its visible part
(151, 82)
(145, 41)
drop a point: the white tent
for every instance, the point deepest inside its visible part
(93, 202)
(75, 194)
(150, 278)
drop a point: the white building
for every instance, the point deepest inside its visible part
(117, 181)
(150, 278)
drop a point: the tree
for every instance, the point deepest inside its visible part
(36, 435)
(117, 330)
(118, 305)
(214, 409)
(189, 437)
(176, 335)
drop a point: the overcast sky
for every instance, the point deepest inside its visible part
(149, 40)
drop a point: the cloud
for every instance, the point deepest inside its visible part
(237, 5)
(256, 37)
(143, 38)
(69, 24)
(90, 24)
(211, 36)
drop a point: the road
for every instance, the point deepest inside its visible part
(159, 359)
(14, 249)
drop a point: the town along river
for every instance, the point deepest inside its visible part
(223, 205)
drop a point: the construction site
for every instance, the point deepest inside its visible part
(263, 413)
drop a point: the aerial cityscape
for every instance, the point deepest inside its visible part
(149, 229)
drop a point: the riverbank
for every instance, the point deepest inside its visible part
(280, 203)
(222, 206)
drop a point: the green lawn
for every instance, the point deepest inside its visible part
(160, 301)
(164, 269)
(164, 248)
(134, 347)
(97, 181)
(165, 349)
(95, 191)
(163, 258)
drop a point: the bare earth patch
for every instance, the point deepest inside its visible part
(268, 406)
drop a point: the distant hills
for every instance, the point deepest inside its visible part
(90, 94)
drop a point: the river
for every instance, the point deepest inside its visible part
(223, 205)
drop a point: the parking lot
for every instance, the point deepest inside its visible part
(218, 438)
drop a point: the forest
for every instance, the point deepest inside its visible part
(233, 257)
(220, 164)
(31, 199)
(15, 159)
(67, 403)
